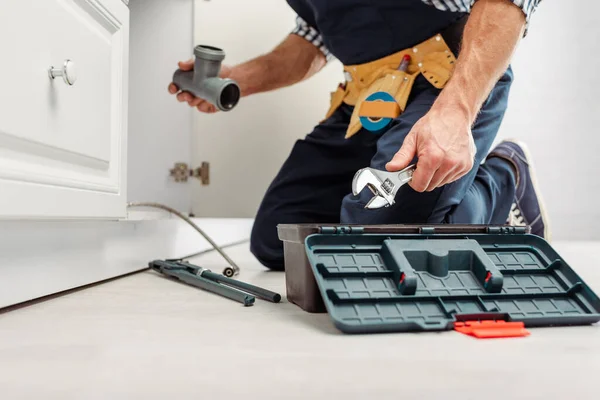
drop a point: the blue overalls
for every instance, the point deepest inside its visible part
(314, 183)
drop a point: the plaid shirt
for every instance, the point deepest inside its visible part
(309, 33)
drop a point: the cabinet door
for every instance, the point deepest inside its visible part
(63, 144)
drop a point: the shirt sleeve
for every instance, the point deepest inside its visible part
(528, 7)
(304, 30)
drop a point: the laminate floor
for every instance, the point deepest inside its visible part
(146, 337)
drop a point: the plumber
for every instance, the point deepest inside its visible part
(442, 110)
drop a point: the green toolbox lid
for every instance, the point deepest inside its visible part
(438, 279)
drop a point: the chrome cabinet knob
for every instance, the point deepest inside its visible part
(68, 72)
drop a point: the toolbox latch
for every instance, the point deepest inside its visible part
(427, 230)
(508, 230)
(491, 329)
(341, 230)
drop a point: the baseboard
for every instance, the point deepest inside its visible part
(41, 258)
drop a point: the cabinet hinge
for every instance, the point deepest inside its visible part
(508, 230)
(341, 230)
(181, 172)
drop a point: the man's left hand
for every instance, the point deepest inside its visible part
(443, 144)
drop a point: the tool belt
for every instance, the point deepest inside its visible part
(379, 91)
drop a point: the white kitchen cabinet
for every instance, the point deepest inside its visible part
(64, 148)
(63, 141)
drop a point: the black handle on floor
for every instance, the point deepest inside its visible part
(255, 290)
(214, 287)
(181, 272)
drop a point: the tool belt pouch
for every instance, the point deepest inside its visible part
(432, 58)
(398, 84)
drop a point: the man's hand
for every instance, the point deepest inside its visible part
(201, 104)
(444, 145)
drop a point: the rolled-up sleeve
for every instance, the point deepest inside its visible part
(304, 30)
(527, 6)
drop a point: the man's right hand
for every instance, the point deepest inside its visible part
(201, 104)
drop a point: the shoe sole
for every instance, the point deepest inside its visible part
(531, 168)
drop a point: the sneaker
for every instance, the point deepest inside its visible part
(528, 207)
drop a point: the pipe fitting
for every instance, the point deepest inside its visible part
(204, 81)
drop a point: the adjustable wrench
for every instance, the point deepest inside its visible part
(383, 184)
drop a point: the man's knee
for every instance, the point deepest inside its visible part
(265, 244)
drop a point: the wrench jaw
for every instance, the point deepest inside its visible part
(383, 184)
(378, 183)
(364, 178)
(378, 202)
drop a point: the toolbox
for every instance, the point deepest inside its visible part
(394, 278)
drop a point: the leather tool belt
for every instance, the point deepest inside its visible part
(379, 90)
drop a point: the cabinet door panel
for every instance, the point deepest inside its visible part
(63, 146)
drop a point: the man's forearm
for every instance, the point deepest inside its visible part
(490, 38)
(293, 60)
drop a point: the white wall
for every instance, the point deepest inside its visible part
(160, 128)
(554, 107)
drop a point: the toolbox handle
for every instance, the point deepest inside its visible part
(437, 257)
